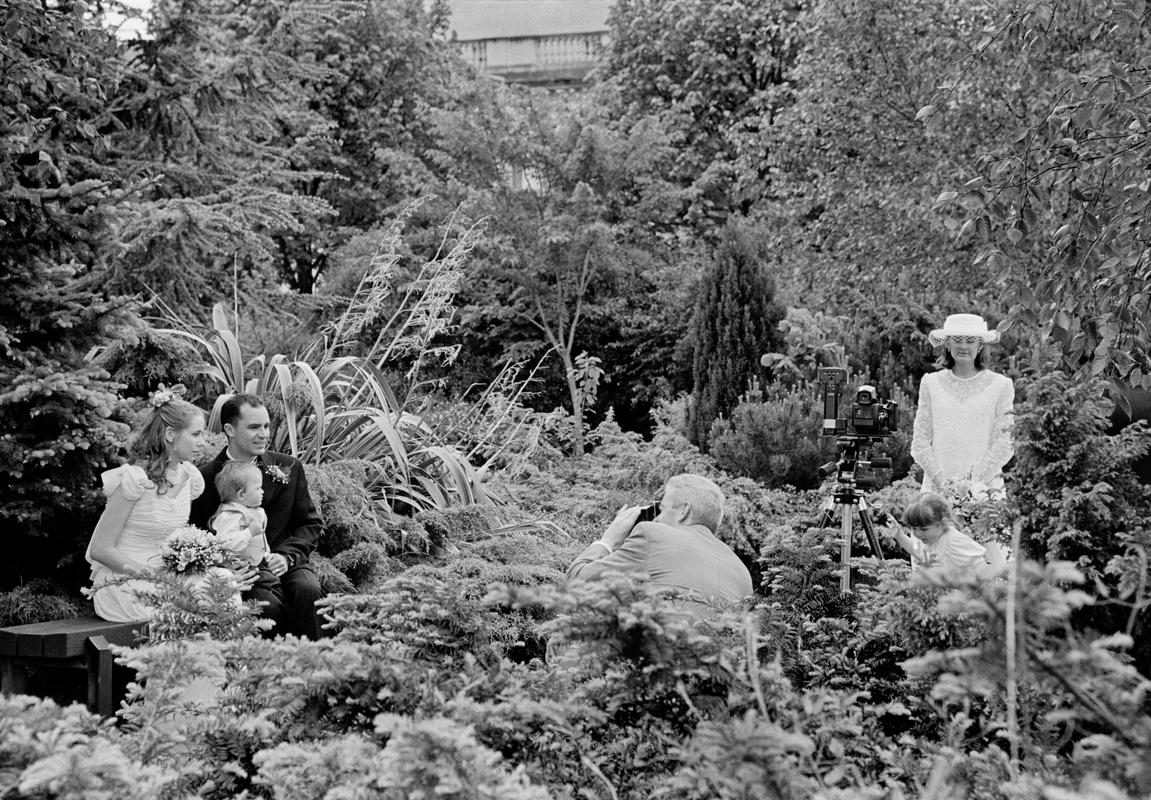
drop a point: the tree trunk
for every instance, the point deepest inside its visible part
(577, 403)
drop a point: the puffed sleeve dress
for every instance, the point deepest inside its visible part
(153, 516)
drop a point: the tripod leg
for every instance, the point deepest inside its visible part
(869, 529)
(845, 553)
(826, 513)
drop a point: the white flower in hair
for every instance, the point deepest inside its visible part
(165, 394)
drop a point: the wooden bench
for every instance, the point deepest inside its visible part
(83, 643)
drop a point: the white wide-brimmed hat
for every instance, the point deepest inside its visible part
(963, 325)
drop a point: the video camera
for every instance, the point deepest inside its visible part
(867, 421)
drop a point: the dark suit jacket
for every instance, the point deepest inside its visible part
(684, 557)
(293, 522)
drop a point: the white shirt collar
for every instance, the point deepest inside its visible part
(230, 457)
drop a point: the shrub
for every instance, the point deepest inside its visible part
(747, 757)
(422, 758)
(194, 605)
(365, 564)
(777, 442)
(349, 512)
(27, 603)
(1080, 499)
(448, 527)
(420, 613)
(49, 751)
(735, 322)
(332, 580)
(1070, 688)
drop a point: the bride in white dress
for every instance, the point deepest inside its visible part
(963, 424)
(147, 499)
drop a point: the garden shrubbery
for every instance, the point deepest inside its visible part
(468, 673)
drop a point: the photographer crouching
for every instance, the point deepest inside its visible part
(676, 549)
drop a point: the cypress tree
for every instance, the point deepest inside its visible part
(736, 322)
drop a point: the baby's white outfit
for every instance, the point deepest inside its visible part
(232, 524)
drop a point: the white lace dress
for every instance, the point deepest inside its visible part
(963, 428)
(152, 518)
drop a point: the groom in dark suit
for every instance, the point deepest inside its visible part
(287, 581)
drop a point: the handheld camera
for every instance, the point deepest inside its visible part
(648, 513)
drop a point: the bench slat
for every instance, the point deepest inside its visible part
(63, 638)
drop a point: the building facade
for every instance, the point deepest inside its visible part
(540, 42)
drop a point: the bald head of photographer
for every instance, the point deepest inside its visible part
(678, 549)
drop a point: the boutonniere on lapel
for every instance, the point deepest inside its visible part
(276, 473)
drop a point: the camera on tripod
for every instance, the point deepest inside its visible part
(867, 420)
(868, 416)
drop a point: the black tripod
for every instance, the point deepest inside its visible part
(847, 498)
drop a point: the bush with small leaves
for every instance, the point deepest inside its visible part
(25, 604)
(421, 758)
(350, 516)
(742, 758)
(199, 605)
(332, 580)
(51, 752)
(365, 564)
(1080, 499)
(777, 441)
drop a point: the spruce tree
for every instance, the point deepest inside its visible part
(216, 142)
(735, 322)
(56, 408)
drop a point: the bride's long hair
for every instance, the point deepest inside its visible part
(149, 447)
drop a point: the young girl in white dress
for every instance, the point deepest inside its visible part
(963, 423)
(937, 542)
(147, 499)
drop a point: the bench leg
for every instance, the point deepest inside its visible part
(12, 677)
(100, 662)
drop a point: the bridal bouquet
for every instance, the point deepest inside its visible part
(191, 550)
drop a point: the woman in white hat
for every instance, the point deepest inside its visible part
(963, 423)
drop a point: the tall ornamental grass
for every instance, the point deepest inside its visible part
(339, 397)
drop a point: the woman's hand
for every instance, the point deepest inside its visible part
(245, 577)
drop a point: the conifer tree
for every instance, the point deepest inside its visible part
(56, 431)
(216, 142)
(735, 322)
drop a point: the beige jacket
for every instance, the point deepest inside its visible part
(681, 557)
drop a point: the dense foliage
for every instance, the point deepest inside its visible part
(58, 412)
(511, 286)
(736, 322)
(436, 679)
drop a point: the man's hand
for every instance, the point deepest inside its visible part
(245, 577)
(277, 563)
(620, 527)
